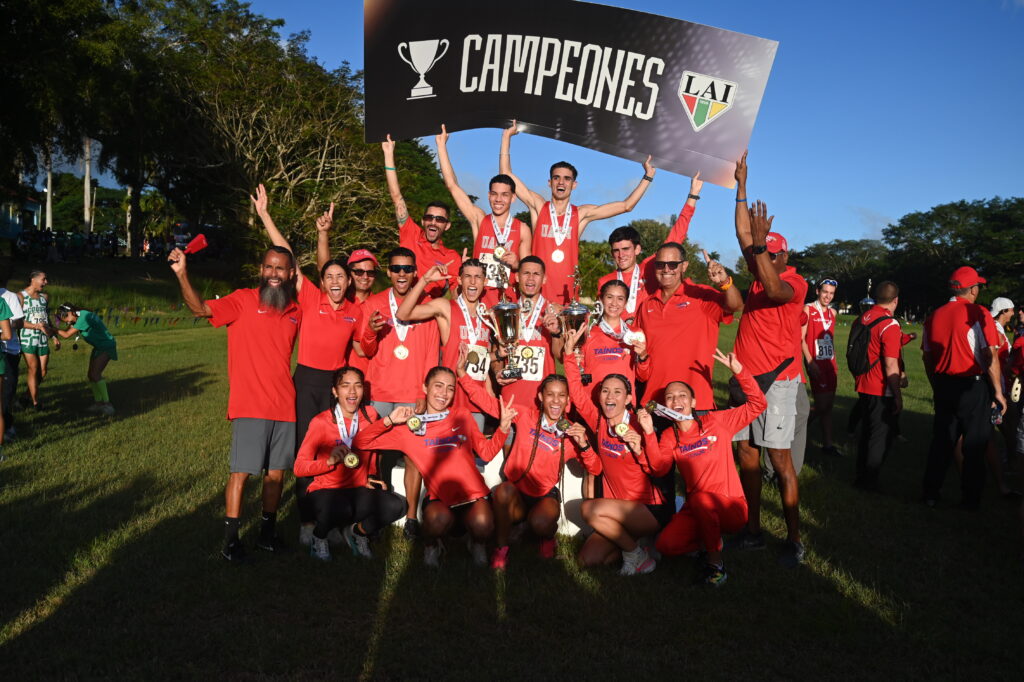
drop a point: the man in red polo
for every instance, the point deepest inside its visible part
(425, 242)
(625, 246)
(680, 324)
(960, 345)
(262, 325)
(769, 335)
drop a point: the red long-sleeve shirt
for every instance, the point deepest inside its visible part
(321, 438)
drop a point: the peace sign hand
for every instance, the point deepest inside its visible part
(508, 414)
(730, 361)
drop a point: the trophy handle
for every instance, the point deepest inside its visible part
(403, 57)
(438, 57)
(598, 312)
(485, 318)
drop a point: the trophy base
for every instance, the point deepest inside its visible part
(585, 379)
(512, 373)
(420, 92)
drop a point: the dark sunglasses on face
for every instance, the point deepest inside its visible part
(407, 269)
(436, 218)
(663, 264)
(363, 273)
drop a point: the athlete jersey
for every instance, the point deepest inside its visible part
(411, 237)
(321, 438)
(539, 477)
(396, 375)
(821, 333)
(487, 240)
(559, 259)
(535, 336)
(36, 312)
(325, 335)
(626, 475)
(477, 337)
(647, 285)
(704, 452)
(443, 454)
(604, 354)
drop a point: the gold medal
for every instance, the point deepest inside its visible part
(499, 251)
(472, 358)
(401, 352)
(563, 424)
(621, 429)
(414, 423)
(558, 255)
(651, 407)
(351, 460)
(526, 353)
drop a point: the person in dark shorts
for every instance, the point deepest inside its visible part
(104, 349)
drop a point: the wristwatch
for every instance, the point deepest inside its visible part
(758, 250)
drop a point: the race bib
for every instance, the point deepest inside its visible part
(492, 266)
(478, 370)
(826, 351)
(533, 366)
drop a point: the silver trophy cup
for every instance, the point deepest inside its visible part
(575, 316)
(503, 320)
(421, 56)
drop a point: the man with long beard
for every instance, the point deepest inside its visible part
(262, 325)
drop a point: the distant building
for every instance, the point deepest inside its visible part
(17, 216)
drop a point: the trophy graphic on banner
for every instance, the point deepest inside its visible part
(575, 315)
(422, 55)
(504, 321)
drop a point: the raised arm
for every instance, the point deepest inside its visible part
(760, 225)
(323, 244)
(486, 448)
(261, 203)
(578, 393)
(736, 418)
(682, 225)
(590, 212)
(191, 297)
(533, 201)
(474, 214)
(742, 216)
(391, 173)
(723, 281)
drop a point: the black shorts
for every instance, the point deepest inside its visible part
(529, 501)
(663, 512)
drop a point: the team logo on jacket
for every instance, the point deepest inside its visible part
(705, 98)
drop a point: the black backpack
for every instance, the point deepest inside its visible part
(857, 347)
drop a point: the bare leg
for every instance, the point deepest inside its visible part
(33, 377)
(620, 521)
(508, 509)
(437, 521)
(413, 479)
(479, 521)
(273, 484)
(233, 494)
(598, 551)
(782, 462)
(543, 518)
(750, 478)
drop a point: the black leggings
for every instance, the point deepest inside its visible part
(312, 396)
(336, 507)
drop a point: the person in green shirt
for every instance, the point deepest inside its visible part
(104, 349)
(6, 334)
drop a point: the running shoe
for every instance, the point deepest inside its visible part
(499, 559)
(746, 540)
(107, 410)
(792, 555)
(478, 551)
(306, 534)
(274, 545)
(411, 529)
(640, 565)
(713, 576)
(359, 544)
(233, 552)
(320, 549)
(547, 548)
(95, 407)
(432, 555)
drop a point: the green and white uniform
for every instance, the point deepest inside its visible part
(5, 314)
(35, 341)
(95, 334)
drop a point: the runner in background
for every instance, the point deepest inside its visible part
(35, 333)
(817, 343)
(104, 349)
(11, 350)
(558, 226)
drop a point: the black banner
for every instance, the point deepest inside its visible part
(623, 82)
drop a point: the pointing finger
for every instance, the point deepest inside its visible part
(330, 211)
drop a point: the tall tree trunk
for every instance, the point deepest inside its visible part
(128, 216)
(135, 221)
(49, 192)
(87, 206)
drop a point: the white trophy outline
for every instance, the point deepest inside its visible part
(419, 53)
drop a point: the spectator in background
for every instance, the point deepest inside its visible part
(818, 345)
(12, 350)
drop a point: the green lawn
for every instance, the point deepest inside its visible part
(109, 537)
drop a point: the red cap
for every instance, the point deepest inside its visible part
(964, 277)
(363, 254)
(776, 242)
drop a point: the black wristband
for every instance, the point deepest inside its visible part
(695, 197)
(555, 335)
(758, 250)
(584, 447)
(648, 178)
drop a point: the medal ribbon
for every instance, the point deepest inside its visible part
(825, 322)
(427, 418)
(607, 329)
(401, 329)
(502, 237)
(528, 330)
(476, 329)
(663, 411)
(560, 232)
(634, 286)
(346, 435)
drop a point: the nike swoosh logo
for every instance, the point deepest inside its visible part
(261, 311)
(456, 428)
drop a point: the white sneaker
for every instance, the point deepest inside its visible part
(639, 564)
(479, 552)
(306, 534)
(95, 407)
(335, 537)
(360, 544)
(108, 410)
(432, 555)
(319, 549)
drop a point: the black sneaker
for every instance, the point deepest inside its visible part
(274, 545)
(832, 450)
(710, 575)
(411, 529)
(746, 540)
(234, 552)
(792, 555)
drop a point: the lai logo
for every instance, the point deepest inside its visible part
(705, 98)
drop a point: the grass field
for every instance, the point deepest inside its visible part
(110, 529)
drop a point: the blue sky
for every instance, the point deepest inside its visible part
(873, 110)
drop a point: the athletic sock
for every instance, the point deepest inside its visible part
(357, 530)
(635, 556)
(97, 394)
(267, 525)
(230, 530)
(102, 383)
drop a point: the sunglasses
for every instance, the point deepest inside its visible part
(828, 281)
(773, 256)
(363, 273)
(435, 218)
(669, 264)
(407, 269)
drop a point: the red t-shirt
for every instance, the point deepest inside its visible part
(461, 332)
(558, 287)
(704, 453)
(648, 285)
(391, 378)
(682, 335)
(770, 332)
(1017, 357)
(535, 368)
(411, 237)
(604, 355)
(821, 329)
(444, 455)
(886, 341)
(543, 474)
(326, 333)
(322, 437)
(260, 343)
(626, 475)
(955, 336)
(353, 359)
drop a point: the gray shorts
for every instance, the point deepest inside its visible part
(261, 444)
(774, 428)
